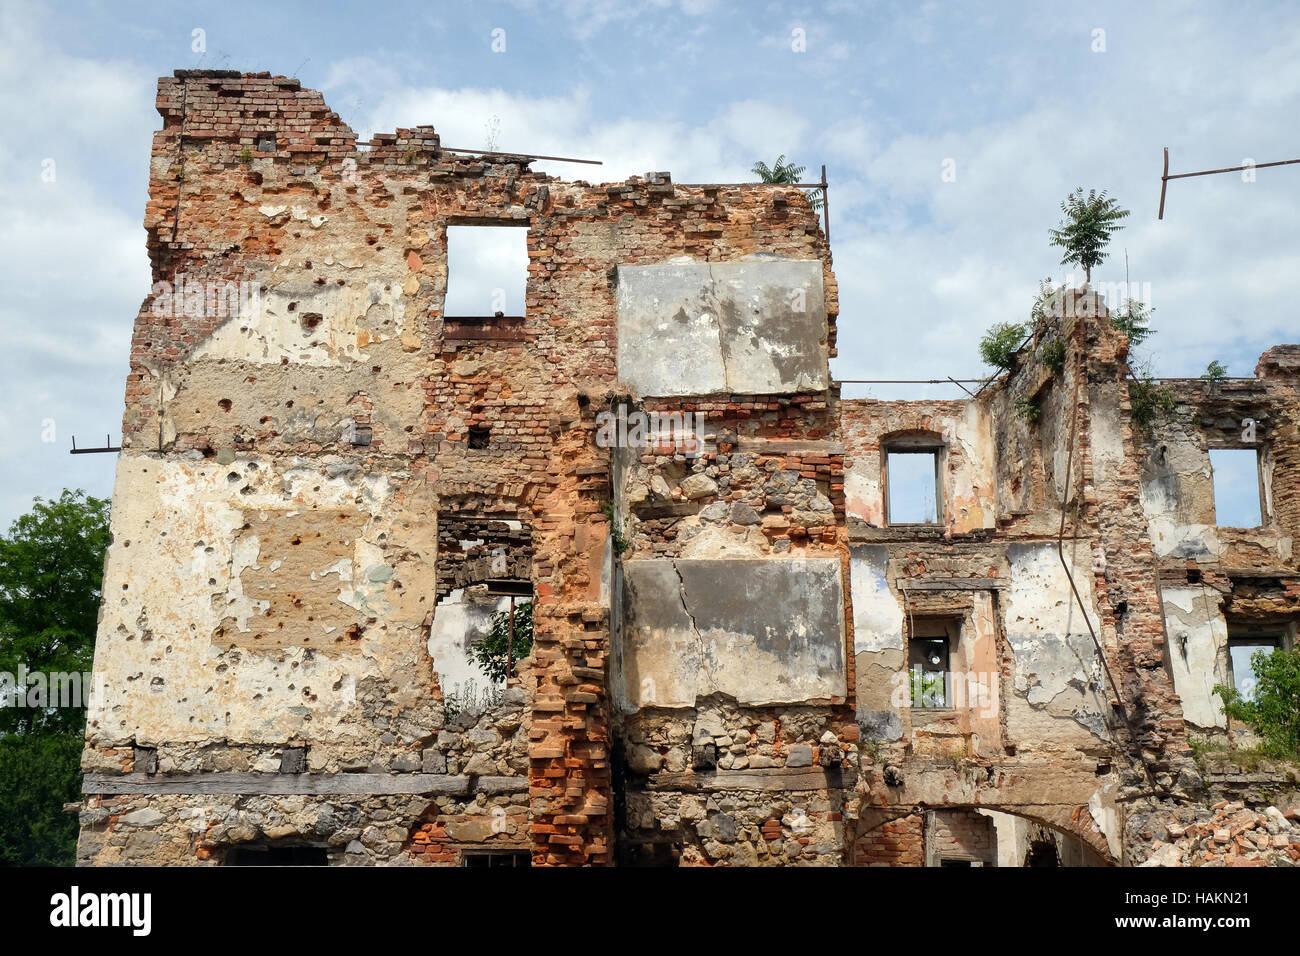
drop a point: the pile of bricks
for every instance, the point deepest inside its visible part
(1230, 834)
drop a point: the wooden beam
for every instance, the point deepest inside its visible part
(359, 784)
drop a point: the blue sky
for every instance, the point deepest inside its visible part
(1018, 98)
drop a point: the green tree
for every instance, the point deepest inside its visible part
(51, 572)
(783, 172)
(1273, 711)
(490, 653)
(1086, 230)
(1000, 343)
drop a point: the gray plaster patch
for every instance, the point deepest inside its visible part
(688, 328)
(761, 631)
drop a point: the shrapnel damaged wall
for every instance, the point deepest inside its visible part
(325, 480)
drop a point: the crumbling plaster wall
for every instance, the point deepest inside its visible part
(962, 427)
(1217, 578)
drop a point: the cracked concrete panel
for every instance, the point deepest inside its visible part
(760, 631)
(877, 614)
(1197, 636)
(1058, 676)
(688, 327)
(660, 646)
(1177, 496)
(202, 551)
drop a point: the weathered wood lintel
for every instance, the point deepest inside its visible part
(814, 778)
(359, 784)
(953, 584)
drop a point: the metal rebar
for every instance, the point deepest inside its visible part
(488, 152)
(1165, 177)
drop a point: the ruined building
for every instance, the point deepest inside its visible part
(771, 625)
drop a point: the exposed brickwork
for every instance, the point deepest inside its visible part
(299, 478)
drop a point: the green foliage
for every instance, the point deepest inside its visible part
(617, 537)
(1149, 399)
(490, 653)
(1038, 311)
(783, 172)
(1054, 355)
(999, 345)
(1028, 408)
(1215, 372)
(1274, 711)
(1134, 321)
(39, 773)
(246, 156)
(1089, 223)
(1207, 753)
(51, 571)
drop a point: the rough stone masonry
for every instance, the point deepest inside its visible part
(746, 649)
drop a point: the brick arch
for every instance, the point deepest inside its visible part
(894, 836)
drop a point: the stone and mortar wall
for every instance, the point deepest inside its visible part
(275, 564)
(1219, 579)
(280, 625)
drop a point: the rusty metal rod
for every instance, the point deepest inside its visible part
(488, 152)
(1165, 176)
(108, 446)
(510, 641)
(1234, 169)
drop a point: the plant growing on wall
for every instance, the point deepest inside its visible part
(1028, 408)
(1215, 372)
(1149, 400)
(1038, 311)
(617, 537)
(1134, 320)
(1054, 355)
(1273, 711)
(1000, 342)
(783, 172)
(1089, 223)
(490, 653)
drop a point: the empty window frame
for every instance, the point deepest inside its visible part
(1238, 490)
(1241, 648)
(929, 663)
(487, 271)
(913, 490)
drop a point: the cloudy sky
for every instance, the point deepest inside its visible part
(1018, 102)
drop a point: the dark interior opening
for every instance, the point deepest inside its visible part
(262, 855)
